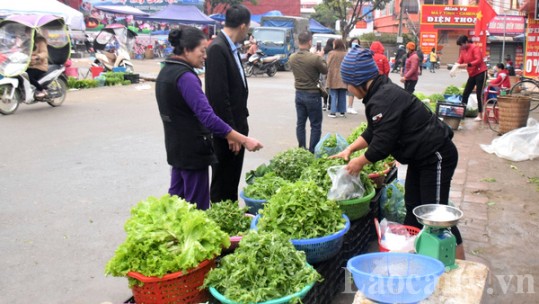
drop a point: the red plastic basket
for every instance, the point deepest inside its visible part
(174, 288)
(400, 230)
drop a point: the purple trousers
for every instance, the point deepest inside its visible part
(192, 185)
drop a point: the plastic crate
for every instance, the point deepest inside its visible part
(333, 283)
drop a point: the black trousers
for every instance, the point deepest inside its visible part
(34, 75)
(226, 173)
(409, 85)
(428, 182)
(477, 81)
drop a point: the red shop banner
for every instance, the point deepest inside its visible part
(449, 16)
(531, 61)
(510, 25)
(427, 41)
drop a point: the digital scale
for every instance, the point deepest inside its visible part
(435, 239)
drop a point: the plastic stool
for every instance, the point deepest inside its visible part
(491, 113)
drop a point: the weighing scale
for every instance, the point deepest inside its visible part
(435, 239)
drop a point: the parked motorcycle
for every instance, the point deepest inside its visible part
(16, 46)
(259, 64)
(112, 45)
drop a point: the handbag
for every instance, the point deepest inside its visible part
(323, 90)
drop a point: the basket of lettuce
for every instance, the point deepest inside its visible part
(232, 219)
(170, 246)
(260, 190)
(265, 268)
(302, 212)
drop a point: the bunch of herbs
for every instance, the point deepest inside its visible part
(230, 217)
(289, 164)
(264, 187)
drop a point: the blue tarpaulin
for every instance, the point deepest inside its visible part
(184, 14)
(316, 27)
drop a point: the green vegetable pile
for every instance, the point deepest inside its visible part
(166, 235)
(265, 266)
(357, 132)
(452, 90)
(317, 172)
(436, 98)
(301, 211)
(420, 96)
(289, 164)
(230, 217)
(330, 142)
(264, 187)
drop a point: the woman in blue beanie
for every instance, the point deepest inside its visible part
(400, 125)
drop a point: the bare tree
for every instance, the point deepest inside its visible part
(211, 5)
(352, 11)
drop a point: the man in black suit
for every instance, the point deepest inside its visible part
(226, 88)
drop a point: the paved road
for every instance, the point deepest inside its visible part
(69, 176)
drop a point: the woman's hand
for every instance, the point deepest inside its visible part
(354, 166)
(234, 146)
(344, 154)
(252, 144)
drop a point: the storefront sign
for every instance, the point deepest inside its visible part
(449, 16)
(531, 62)
(427, 41)
(514, 25)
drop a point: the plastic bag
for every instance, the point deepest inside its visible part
(472, 102)
(454, 99)
(329, 145)
(453, 72)
(517, 145)
(393, 208)
(344, 186)
(395, 237)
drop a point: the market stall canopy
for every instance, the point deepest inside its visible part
(184, 14)
(258, 18)
(316, 27)
(121, 9)
(73, 18)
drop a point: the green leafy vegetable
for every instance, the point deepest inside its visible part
(166, 235)
(331, 141)
(258, 172)
(230, 217)
(264, 187)
(420, 96)
(289, 164)
(317, 172)
(265, 266)
(436, 98)
(452, 90)
(301, 211)
(357, 132)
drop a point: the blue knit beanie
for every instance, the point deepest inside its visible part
(358, 66)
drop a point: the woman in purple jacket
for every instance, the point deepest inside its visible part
(189, 120)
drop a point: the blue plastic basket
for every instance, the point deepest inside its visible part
(119, 69)
(391, 277)
(300, 294)
(318, 249)
(253, 204)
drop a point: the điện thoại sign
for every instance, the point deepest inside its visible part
(448, 17)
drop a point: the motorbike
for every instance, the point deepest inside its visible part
(259, 64)
(112, 45)
(16, 46)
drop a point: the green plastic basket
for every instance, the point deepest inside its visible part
(300, 294)
(357, 208)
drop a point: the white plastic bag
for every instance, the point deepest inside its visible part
(472, 102)
(453, 72)
(344, 186)
(396, 242)
(517, 145)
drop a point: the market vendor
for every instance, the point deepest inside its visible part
(400, 125)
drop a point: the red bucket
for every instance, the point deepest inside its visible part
(96, 70)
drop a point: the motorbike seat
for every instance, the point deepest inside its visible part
(54, 67)
(270, 58)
